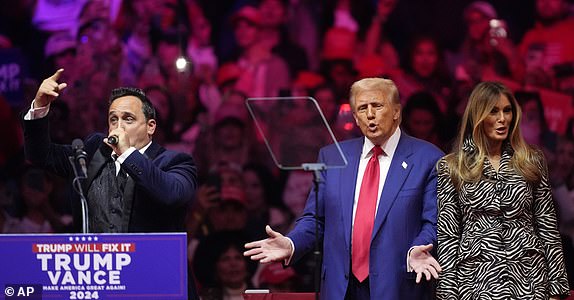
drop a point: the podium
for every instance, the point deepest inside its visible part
(94, 266)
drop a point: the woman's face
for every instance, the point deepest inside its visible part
(496, 125)
(327, 102)
(201, 30)
(253, 190)
(477, 25)
(231, 268)
(425, 58)
(296, 190)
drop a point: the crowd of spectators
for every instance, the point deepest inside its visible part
(239, 49)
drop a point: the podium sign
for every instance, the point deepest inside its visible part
(94, 266)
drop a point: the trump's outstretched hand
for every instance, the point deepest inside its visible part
(274, 248)
(423, 263)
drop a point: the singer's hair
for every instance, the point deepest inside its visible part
(147, 106)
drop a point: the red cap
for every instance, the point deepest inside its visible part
(371, 65)
(227, 72)
(339, 43)
(308, 80)
(233, 194)
(275, 274)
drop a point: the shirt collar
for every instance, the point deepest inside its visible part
(388, 146)
(142, 150)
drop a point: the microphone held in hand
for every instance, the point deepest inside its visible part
(113, 139)
(80, 155)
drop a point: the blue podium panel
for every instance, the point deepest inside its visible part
(93, 266)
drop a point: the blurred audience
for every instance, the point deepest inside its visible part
(425, 70)
(8, 223)
(534, 126)
(424, 120)
(37, 215)
(487, 51)
(274, 35)
(223, 273)
(263, 74)
(545, 50)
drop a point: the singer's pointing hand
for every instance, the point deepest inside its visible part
(49, 90)
(274, 248)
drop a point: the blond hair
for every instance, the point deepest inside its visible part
(467, 166)
(386, 86)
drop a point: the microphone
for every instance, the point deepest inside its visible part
(113, 139)
(80, 155)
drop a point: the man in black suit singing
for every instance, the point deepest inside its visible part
(133, 184)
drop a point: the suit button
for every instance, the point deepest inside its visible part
(346, 276)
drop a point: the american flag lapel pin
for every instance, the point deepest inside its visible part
(405, 165)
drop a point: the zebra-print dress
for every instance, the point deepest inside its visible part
(498, 238)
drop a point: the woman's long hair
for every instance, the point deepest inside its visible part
(466, 164)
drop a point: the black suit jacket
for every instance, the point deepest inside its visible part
(163, 181)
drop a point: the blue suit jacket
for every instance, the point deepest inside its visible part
(406, 217)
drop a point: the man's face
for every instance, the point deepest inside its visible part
(246, 33)
(272, 13)
(230, 136)
(376, 115)
(126, 112)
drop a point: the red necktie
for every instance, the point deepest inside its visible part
(365, 217)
